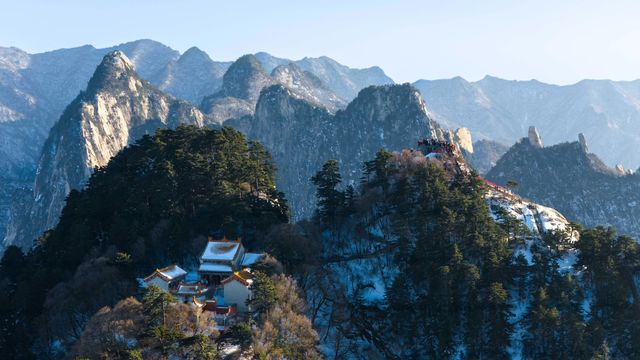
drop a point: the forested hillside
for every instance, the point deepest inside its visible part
(413, 262)
(154, 203)
(416, 264)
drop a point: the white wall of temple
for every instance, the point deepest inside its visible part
(236, 293)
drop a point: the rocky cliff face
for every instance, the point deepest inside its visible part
(534, 137)
(34, 90)
(245, 79)
(577, 183)
(301, 136)
(116, 108)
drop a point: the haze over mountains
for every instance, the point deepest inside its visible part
(311, 95)
(400, 250)
(34, 90)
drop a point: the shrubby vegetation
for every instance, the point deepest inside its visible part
(283, 330)
(154, 328)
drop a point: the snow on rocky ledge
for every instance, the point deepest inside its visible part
(538, 219)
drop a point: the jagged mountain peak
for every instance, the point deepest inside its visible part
(244, 79)
(194, 55)
(248, 62)
(534, 137)
(321, 81)
(567, 157)
(115, 70)
(396, 96)
(116, 60)
(193, 76)
(150, 56)
(301, 136)
(241, 86)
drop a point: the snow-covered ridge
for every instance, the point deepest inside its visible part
(537, 218)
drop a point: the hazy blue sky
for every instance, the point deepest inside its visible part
(553, 41)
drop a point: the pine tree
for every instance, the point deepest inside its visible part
(499, 329)
(263, 294)
(155, 302)
(330, 199)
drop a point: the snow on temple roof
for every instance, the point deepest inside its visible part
(173, 271)
(215, 268)
(191, 289)
(245, 277)
(251, 258)
(168, 273)
(221, 250)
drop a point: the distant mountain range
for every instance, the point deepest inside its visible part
(36, 88)
(606, 112)
(301, 103)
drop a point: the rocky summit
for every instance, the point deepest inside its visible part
(577, 183)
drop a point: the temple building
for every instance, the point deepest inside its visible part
(221, 258)
(185, 292)
(237, 290)
(167, 278)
